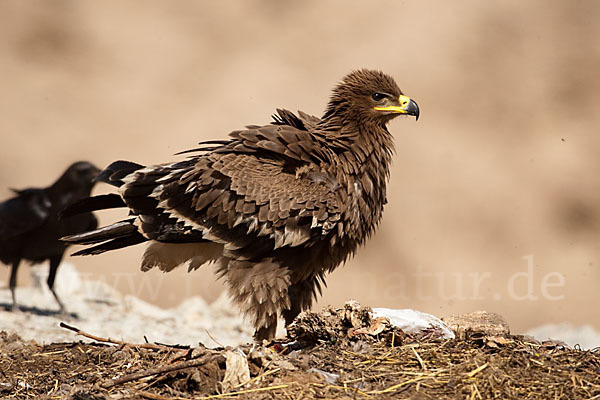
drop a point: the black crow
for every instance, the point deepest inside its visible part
(30, 226)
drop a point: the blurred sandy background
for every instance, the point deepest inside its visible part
(503, 164)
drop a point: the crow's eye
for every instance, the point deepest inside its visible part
(378, 96)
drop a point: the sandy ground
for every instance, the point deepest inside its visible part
(99, 309)
(494, 198)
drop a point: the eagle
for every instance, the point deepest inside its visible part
(31, 227)
(276, 207)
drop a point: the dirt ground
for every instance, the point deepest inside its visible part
(337, 353)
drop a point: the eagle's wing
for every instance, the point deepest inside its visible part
(261, 191)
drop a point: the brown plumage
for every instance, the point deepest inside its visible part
(276, 206)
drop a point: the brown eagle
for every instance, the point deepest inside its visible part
(275, 206)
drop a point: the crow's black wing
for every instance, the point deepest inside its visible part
(23, 213)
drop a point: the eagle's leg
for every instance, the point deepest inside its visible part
(12, 283)
(301, 296)
(266, 332)
(261, 291)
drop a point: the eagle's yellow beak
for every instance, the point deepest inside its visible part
(406, 106)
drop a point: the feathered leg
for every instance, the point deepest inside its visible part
(261, 291)
(301, 296)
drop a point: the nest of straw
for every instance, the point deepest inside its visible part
(337, 353)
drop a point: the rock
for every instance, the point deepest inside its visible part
(487, 323)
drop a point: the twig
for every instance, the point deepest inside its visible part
(475, 392)
(154, 396)
(161, 370)
(256, 378)
(261, 389)
(477, 370)
(213, 339)
(420, 377)
(344, 388)
(423, 366)
(115, 341)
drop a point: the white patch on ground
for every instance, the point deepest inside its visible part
(413, 321)
(102, 311)
(585, 336)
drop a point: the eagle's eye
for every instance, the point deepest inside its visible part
(378, 96)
